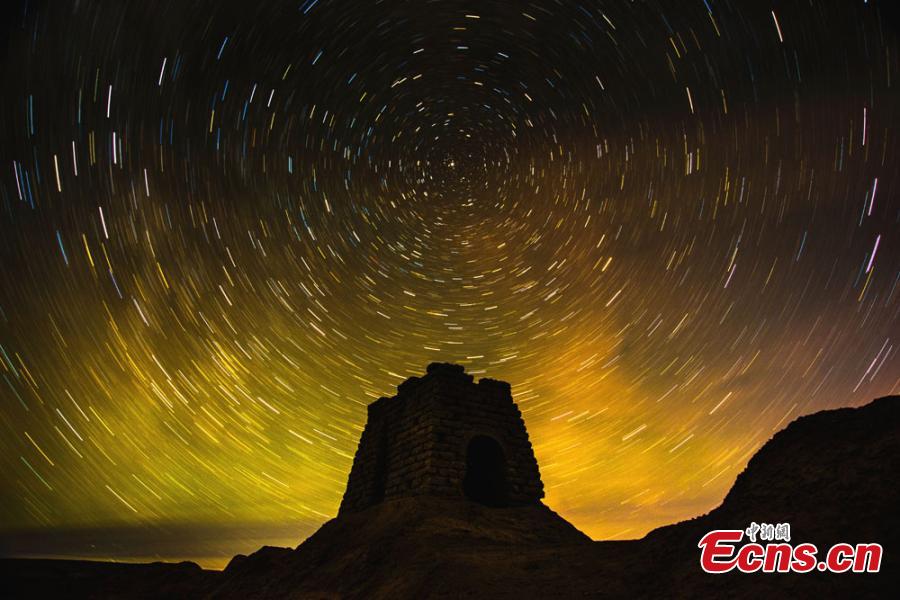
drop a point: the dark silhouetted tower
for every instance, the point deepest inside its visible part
(444, 435)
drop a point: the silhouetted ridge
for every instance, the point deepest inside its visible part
(444, 501)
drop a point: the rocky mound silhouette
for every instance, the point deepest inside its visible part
(408, 548)
(835, 477)
(832, 475)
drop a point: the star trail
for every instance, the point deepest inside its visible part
(227, 227)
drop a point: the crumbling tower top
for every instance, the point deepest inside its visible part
(444, 435)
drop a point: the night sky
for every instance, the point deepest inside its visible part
(226, 227)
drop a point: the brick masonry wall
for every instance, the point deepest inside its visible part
(415, 443)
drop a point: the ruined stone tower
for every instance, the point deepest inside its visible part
(443, 435)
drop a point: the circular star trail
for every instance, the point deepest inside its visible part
(227, 227)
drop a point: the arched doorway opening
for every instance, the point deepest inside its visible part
(485, 480)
